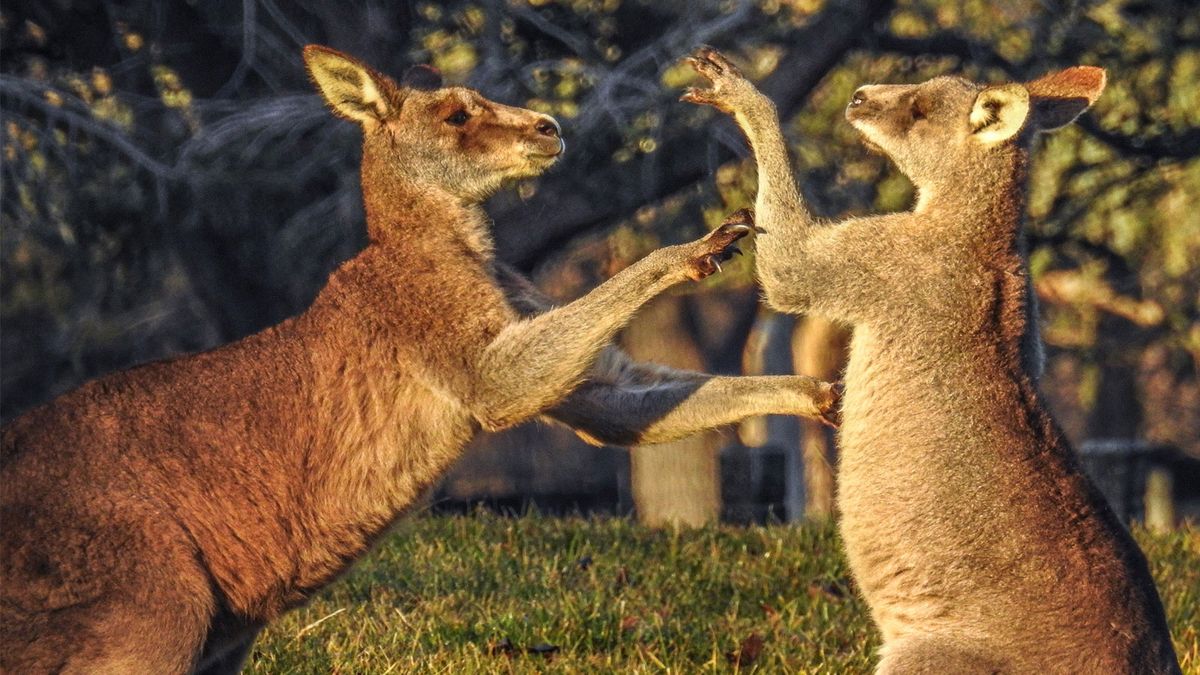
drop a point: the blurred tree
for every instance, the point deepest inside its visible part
(672, 482)
(170, 182)
(819, 349)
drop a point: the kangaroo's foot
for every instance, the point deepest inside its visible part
(718, 246)
(729, 91)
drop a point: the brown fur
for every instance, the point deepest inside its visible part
(970, 529)
(155, 519)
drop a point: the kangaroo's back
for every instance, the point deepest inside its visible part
(115, 482)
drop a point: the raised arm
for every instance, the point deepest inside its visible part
(803, 265)
(779, 208)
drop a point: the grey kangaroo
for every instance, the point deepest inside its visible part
(975, 538)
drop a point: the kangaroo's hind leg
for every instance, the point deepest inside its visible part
(115, 590)
(229, 642)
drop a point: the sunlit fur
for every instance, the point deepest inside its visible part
(153, 520)
(971, 532)
(496, 144)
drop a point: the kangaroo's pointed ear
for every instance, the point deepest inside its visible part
(351, 88)
(1058, 98)
(425, 78)
(999, 113)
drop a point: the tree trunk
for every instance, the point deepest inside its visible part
(768, 352)
(672, 483)
(1117, 411)
(819, 350)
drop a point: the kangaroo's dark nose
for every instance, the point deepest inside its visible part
(859, 98)
(548, 126)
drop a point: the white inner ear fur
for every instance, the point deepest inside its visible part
(999, 113)
(349, 89)
(371, 96)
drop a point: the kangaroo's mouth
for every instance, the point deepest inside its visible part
(541, 160)
(549, 147)
(533, 164)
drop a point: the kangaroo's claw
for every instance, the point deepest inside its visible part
(740, 217)
(728, 89)
(831, 413)
(707, 60)
(698, 96)
(719, 244)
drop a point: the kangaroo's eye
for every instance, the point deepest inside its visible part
(458, 118)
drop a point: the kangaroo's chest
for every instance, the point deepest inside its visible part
(944, 513)
(391, 437)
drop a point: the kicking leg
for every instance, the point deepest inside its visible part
(633, 414)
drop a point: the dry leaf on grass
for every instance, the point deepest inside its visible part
(747, 652)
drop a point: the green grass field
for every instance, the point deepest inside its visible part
(485, 594)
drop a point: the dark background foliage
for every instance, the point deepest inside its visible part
(171, 182)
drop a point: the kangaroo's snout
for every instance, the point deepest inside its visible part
(548, 126)
(871, 99)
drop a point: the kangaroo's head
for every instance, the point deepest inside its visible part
(448, 137)
(934, 129)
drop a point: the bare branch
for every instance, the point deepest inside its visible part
(547, 27)
(249, 31)
(567, 206)
(76, 115)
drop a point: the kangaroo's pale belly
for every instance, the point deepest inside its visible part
(877, 493)
(960, 520)
(920, 497)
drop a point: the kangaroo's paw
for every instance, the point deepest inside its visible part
(831, 407)
(729, 89)
(718, 246)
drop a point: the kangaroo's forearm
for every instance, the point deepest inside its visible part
(536, 361)
(783, 221)
(778, 198)
(778, 205)
(786, 224)
(642, 415)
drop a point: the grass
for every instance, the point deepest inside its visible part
(486, 594)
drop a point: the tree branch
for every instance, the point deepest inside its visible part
(602, 192)
(33, 95)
